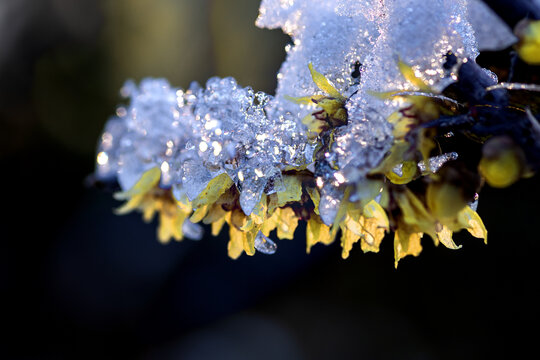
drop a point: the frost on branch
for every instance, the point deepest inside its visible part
(350, 143)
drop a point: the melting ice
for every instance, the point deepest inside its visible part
(196, 134)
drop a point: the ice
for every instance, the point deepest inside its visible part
(474, 204)
(320, 35)
(377, 34)
(192, 231)
(398, 170)
(239, 137)
(264, 244)
(491, 32)
(362, 144)
(331, 197)
(373, 10)
(436, 162)
(419, 33)
(107, 153)
(152, 107)
(147, 132)
(251, 187)
(131, 168)
(195, 177)
(254, 177)
(197, 134)
(229, 118)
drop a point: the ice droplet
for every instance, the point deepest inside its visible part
(436, 162)
(195, 178)
(474, 204)
(330, 202)
(264, 244)
(192, 231)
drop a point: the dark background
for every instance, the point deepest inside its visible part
(80, 282)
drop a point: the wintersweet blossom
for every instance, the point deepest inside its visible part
(381, 122)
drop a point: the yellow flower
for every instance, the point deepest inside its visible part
(412, 143)
(437, 206)
(271, 213)
(503, 162)
(147, 197)
(416, 220)
(333, 113)
(368, 224)
(528, 46)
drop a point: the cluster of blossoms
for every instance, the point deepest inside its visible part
(382, 121)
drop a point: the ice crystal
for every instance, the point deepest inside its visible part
(237, 136)
(196, 135)
(373, 35)
(320, 35)
(224, 153)
(264, 244)
(490, 31)
(147, 132)
(436, 162)
(192, 231)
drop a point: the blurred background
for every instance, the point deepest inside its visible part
(80, 282)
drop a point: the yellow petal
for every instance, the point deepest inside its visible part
(215, 213)
(314, 126)
(408, 73)
(445, 237)
(348, 239)
(271, 223)
(375, 225)
(293, 190)
(258, 215)
(217, 225)
(249, 241)
(444, 200)
(408, 172)
(426, 144)
(272, 202)
(414, 212)
(529, 46)
(239, 219)
(287, 223)
(170, 226)
(147, 181)
(199, 214)
(305, 100)
(130, 205)
(235, 247)
(215, 188)
(406, 242)
(322, 83)
(248, 225)
(403, 126)
(503, 170)
(334, 108)
(315, 197)
(317, 232)
(470, 220)
(345, 207)
(149, 212)
(354, 224)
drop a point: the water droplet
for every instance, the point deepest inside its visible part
(102, 158)
(192, 231)
(203, 146)
(264, 244)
